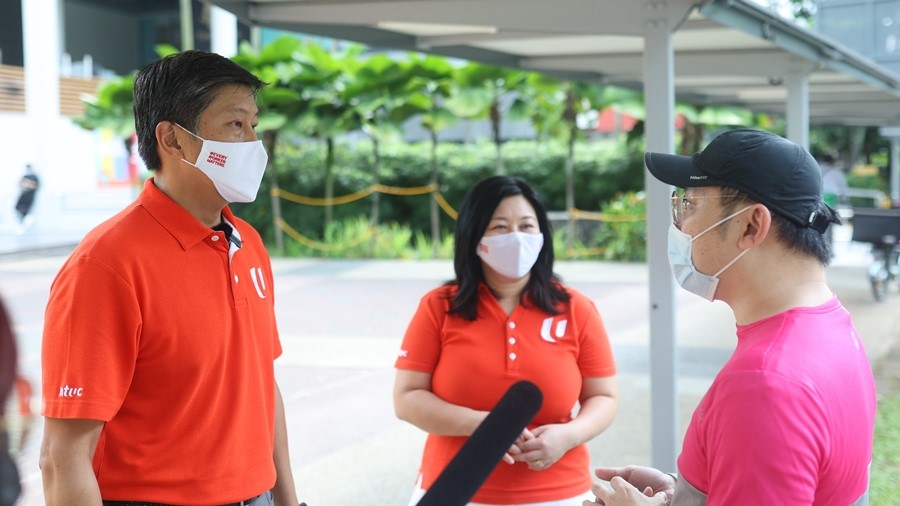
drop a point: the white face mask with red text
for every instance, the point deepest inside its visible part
(681, 260)
(235, 168)
(513, 254)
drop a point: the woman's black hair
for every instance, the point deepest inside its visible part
(475, 214)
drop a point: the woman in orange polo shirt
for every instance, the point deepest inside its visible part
(507, 317)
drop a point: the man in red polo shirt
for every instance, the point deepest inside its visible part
(160, 334)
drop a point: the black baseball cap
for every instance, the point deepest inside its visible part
(768, 168)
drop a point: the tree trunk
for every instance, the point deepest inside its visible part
(329, 180)
(376, 196)
(691, 138)
(570, 187)
(435, 212)
(570, 117)
(495, 133)
(270, 137)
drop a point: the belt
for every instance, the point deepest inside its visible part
(245, 502)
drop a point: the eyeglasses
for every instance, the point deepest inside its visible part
(680, 204)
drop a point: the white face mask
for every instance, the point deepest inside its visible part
(682, 263)
(513, 254)
(235, 168)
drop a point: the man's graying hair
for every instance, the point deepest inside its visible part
(178, 88)
(804, 240)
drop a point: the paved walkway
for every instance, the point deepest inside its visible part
(341, 322)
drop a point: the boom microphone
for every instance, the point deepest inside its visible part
(478, 457)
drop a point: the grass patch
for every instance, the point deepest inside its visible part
(884, 487)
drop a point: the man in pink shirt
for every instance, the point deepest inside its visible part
(789, 419)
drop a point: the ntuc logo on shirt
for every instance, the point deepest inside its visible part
(216, 159)
(67, 391)
(551, 334)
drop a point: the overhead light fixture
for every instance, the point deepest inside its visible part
(435, 28)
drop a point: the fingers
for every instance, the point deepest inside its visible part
(602, 493)
(660, 499)
(508, 458)
(607, 473)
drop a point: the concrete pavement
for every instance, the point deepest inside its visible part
(341, 324)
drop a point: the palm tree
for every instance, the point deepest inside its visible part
(430, 85)
(378, 93)
(481, 92)
(279, 104)
(327, 111)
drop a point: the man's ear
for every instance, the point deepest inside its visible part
(167, 140)
(758, 224)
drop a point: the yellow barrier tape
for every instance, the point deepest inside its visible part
(321, 246)
(346, 199)
(445, 205)
(579, 252)
(316, 201)
(395, 190)
(611, 218)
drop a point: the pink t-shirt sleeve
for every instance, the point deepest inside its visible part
(764, 436)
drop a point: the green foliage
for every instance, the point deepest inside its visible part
(111, 107)
(602, 170)
(354, 238)
(623, 237)
(885, 479)
(869, 182)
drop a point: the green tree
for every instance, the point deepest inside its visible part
(327, 110)
(480, 93)
(279, 104)
(378, 94)
(430, 85)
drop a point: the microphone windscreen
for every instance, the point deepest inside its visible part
(478, 457)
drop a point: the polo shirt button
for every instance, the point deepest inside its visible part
(235, 278)
(512, 340)
(512, 356)
(512, 325)
(215, 238)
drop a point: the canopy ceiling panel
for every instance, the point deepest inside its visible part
(726, 52)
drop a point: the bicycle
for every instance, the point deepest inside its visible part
(880, 228)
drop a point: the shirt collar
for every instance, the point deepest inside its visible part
(186, 229)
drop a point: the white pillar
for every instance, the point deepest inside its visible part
(223, 32)
(659, 100)
(797, 108)
(41, 37)
(186, 11)
(895, 171)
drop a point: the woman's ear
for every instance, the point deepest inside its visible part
(758, 223)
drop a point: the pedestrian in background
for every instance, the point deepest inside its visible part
(789, 420)
(834, 181)
(160, 333)
(28, 187)
(507, 317)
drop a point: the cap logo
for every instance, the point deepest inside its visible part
(698, 177)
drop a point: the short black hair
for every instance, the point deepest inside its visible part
(475, 214)
(804, 240)
(178, 88)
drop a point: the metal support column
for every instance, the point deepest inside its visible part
(659, 99)
(797, 108)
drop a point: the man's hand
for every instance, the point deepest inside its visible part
(622, 493)
(646, 479)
